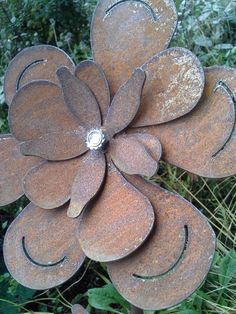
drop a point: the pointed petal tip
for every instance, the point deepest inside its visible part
(75, 209)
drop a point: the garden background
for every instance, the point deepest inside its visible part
(208, 28)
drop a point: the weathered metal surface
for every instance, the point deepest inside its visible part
(118, 222)
(132, 157)
(79, 99)
(87, 183)
(174, 260)
(57, 145)
(125, 104)
(13, 167)
(151, 143)
(39, 108)
(78, 309)
(40, 247)
(203, 141)
(125, 34)
(49, 184)
(174, 84)
(34, 63)
(92, 74)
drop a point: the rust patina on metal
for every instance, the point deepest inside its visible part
(83, 139)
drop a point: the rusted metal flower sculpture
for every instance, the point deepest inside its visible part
(83, 138)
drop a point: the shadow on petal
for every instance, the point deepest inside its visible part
(78, 309)
(118, 222)
(13, 167)
(174, 260)
(40, 248)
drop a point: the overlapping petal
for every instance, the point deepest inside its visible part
(174, 85)
(125, 104)
(57, 145)
(87, 183)
(49, 184)
(203, 141)
(132, 157)
(34, 63)
(13, 167)
(38, 108)
(125, 34)
(40, 247)
(92, 74)
(118, 223)
(174, 260)
(79, 99)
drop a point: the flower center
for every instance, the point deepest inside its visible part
(95, 139)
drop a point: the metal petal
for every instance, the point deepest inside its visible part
(56, 145)
(125, 104)
(79, 99)
(175, 259)
(78, 309)
(40, 249)
(125, 34)
(39, 108)
(174, 85)
(13, 167)
(87, 183)
(92, 74)
(34, 63)
(132, 157)
(118, 223)
(204, 141)
(49, 184)
(151, 143)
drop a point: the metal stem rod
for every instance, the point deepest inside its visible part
(135, 310)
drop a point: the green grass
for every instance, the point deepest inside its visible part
(208, 28)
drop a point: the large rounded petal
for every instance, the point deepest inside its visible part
(125, 104)
(174, 84)
(175, 259)
(92, 74)
(204, 141)
(40, 248)
(79, 99)
(57, 145)
(119, 221)
(132, 157)
(125, 34)
(49, 184)
(34, 63)
(39, 108)
(13, 167)
(88, 181)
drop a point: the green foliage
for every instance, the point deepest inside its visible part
(208, 28)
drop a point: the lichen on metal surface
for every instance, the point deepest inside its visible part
(85, 138)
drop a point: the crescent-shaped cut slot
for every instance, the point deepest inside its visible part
(222, 84)
(145, 4)
(178, 261)
(25, 69)
(31, 259)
